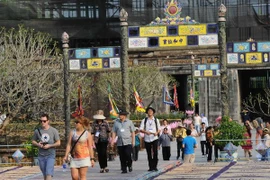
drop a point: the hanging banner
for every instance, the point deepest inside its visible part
(166, 97)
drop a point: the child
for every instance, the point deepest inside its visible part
(266, 141)
(137, 146)
(165, 141)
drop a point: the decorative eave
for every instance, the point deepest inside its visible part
(172, 13)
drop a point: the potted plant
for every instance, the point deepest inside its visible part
(31, 151)
(229, 131)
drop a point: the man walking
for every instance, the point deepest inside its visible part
(46, 139)
(189, 143)
(197, 122)
(150, 126)
(203, 139)
(124, 129)
(180, 134)
(204, 120)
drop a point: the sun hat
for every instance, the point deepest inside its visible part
(99, 116)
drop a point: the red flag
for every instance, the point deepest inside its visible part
(175, 97)
(79, 111)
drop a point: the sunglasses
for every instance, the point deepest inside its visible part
(76, 122)
(43, 121)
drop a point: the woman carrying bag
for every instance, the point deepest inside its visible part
(79, 146)
(100, 132)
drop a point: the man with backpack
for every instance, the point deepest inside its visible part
(150, 126)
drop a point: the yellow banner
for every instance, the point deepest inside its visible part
(208, 73)
(173, 41)
(95, 63)
(192, 29)
(253, 58)
(152, 31)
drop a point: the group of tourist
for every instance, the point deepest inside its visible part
(80, 153)
(262, 134)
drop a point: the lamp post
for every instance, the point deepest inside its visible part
(65, 46)
(124, 58)
(223, 60)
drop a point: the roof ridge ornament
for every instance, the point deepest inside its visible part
(222, 13)
(172, 12)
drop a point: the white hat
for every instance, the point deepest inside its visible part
(99, 116)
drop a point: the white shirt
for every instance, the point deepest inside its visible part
(205, 120)
(151, 127)
(203, 135)
(197, 120)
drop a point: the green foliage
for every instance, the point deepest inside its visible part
(31, 150)
(147, 80)
(229, 130)
(176, 115)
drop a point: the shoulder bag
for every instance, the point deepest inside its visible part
(70, 156)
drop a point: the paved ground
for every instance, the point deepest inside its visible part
(173, 169)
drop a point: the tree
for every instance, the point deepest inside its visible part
(147, 80)
(258, 104)
(30, 73)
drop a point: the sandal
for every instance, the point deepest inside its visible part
(101, 171)
(106, 170)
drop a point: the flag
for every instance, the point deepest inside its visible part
(139, 103)
(112, 105)
(79, 111)
(191, 94)
(191, 100)
(175, 97)
(166, 97)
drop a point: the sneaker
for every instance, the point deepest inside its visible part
(203, 156)
(124, 172)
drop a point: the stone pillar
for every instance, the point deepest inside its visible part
(223, 60)
(124, 58)
(65, 41)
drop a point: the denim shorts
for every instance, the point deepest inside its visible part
(46, 165)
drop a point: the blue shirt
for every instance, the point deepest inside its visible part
(189, 143)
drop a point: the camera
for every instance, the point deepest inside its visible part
(44, 143)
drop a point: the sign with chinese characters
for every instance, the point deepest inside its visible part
(172, 41)
(248, 52)
(207, 70)
(192, 29)
(153, 31)
(211, 39)
(137, 42)
(95, 58)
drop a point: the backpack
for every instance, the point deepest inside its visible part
(145, 119)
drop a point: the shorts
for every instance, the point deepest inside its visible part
(189, 158)
(79, 163)
(46, 165)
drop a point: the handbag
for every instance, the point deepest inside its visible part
(70, 157)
